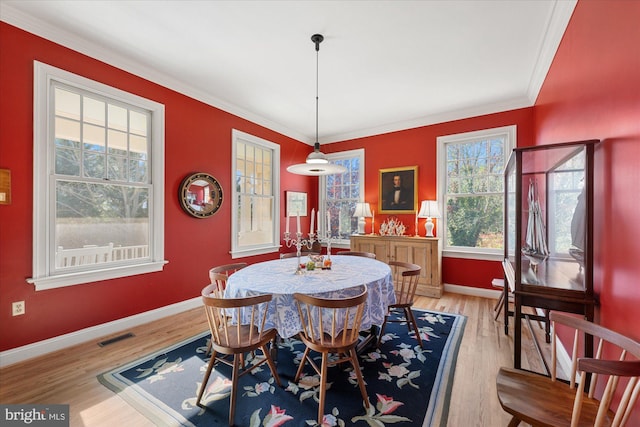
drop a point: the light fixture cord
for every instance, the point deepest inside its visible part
(317, 144)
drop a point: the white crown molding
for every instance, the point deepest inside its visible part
(40, 348)
(558, 21)
(460, 114)
(26, 22)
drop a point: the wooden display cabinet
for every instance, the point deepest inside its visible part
(423, 251)
(548, 245)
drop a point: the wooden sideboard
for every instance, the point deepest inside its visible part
(423, 251)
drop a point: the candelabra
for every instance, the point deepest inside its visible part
(326, 239)
(298, 241)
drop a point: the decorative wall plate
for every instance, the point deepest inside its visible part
(200, 195)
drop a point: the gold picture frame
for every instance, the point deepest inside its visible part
(398, 190)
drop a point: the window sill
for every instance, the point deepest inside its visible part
(484, 256)
(80, 277)
(252, 252)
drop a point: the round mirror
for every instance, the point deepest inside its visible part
(200, 195)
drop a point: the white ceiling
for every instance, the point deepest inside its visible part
(383, 66)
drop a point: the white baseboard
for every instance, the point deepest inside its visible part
(476, 292)
(39, 348)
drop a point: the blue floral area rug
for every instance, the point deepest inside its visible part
(406, 385)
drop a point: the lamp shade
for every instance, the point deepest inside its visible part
(429, 209)
(363, 209)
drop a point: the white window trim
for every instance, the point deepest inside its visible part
(442, 141)
(43, 247)
(275, 247)
(322, 189)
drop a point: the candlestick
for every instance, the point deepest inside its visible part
(373, 222)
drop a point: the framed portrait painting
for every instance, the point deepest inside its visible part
(296, 203)
(398, 190)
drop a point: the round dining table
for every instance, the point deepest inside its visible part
(344, 279)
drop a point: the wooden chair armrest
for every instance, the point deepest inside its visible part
(630, 368)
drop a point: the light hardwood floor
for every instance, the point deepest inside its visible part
(69, 376)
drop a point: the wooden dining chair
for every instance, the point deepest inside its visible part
(331, 326)
(405, 282)
(586, 399)
(235, 338)
(356, 253)
(219, 275)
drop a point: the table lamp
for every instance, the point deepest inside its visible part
(362, 211)
(429, 209)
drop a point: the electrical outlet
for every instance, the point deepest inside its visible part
(18, 308)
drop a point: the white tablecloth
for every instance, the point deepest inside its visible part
(346, 275)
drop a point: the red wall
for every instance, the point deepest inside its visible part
(592, 90)
(418, 147)
(198, 138)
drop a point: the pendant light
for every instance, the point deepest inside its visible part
(317, 163)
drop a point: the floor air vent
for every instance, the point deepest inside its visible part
(116, 339)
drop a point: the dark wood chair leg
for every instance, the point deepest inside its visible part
(499, 305)
(203, 387)
(411, 320)
(514, 422)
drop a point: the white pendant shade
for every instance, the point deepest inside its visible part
(317, 157)
(316, 169)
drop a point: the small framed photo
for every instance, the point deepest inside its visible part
(296, 203)
(398, 190)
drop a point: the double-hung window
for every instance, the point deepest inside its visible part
(98, 181)
(471, 190)
(339, 194)
(255, 225)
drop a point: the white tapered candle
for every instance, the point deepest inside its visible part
(288, 220)
(313, 218)
(298, 230)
